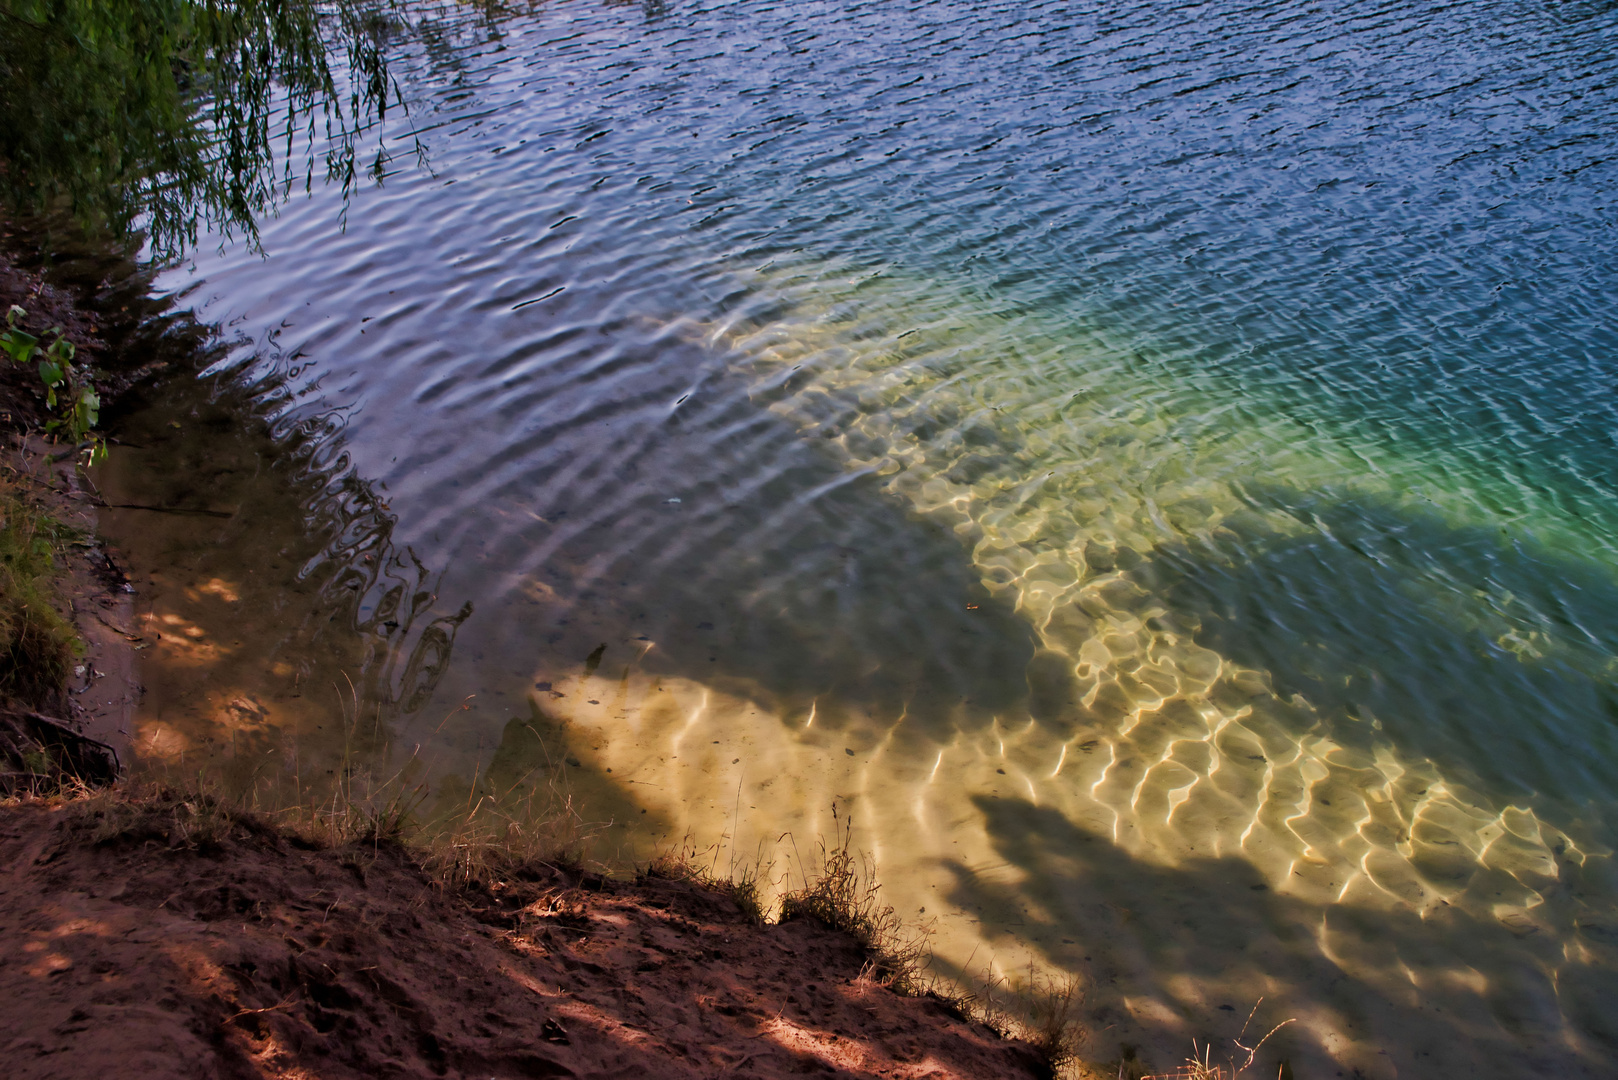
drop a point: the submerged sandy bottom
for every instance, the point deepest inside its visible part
(1148, 813)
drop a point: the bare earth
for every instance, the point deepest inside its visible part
(255, 956)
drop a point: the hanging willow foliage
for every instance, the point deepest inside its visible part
(166, 116)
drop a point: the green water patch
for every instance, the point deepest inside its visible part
(1069, 465)
(1082, 397)
(1181, 551)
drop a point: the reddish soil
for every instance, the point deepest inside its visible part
(249, 954)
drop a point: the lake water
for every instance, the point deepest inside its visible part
(1154, 468)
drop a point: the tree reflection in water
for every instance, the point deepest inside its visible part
(166, 116)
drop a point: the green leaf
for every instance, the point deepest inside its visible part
(51, 373)
(89, 409)
(19, 344)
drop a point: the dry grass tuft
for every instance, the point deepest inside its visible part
(741, 882)
(1040, 1008)
(160, 813)
(489, 845)
(501, 838)
(845, 895)
(1048, 1017)
(1201, 1066)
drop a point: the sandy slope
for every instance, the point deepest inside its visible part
(253, 956)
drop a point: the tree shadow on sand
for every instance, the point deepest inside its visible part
(1172, 953)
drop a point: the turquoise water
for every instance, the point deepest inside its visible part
(1157, 466)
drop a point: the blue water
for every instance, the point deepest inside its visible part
(1221, 398)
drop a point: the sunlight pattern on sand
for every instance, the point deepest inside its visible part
(1072, 475)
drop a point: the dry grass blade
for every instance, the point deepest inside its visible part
(1203, 1067)
(500, 834)
(1051, 1010)
(1041, 1009)
(179, 818)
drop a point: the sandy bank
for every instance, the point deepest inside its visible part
(152, 940)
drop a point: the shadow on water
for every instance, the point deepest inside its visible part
(285, 632)
(857, 602)
(1468, 645)
(722, 546)
(1208, 937)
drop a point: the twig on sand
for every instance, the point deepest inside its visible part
(285, 1003)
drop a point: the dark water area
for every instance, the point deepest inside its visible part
(1156, 468)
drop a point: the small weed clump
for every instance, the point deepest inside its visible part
(845, 895)
(502, 839)
(1201, 1066)
(742, 884)
(1042, 1010)
(158, 813)
(37, 643)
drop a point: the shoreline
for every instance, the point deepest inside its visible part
(160, 933)
(48, 498)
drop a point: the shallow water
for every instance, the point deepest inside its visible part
(1154, 470)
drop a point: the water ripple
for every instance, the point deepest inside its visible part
(1160, 462)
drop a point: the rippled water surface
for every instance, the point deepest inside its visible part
(1154, 467)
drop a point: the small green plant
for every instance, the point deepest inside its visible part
(66, 385)
(37, 643)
